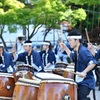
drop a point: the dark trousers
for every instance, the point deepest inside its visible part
(83, 92)
(97, 72)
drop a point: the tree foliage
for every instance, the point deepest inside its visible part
(46, 13)
(51, 12)
(8, 14)
(8, 11)
(82, 2)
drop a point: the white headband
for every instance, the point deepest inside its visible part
(1, 45)
(74, 37)
(28, 44)
(45, 43)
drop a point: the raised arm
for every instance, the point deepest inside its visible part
(64, 47)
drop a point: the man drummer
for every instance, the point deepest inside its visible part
(30, 57)
(6, 61)
(84, 64)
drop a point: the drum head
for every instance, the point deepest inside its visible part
(43, 76)
(49, 77)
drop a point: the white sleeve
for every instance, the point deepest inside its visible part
(15, 58)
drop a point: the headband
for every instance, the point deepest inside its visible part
(74, 37)
(46, 43)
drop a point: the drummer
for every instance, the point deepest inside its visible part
(47, 55)
(30, 57)
(84, 64)
(61, 55)
(95, 53)
(6, 61)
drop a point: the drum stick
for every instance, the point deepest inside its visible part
(87, 35)
(61, 69)
(15, 77)
(61, 36)
(70, 71)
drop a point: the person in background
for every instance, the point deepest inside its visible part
(61, 55)
(19, 44)
(47, 55)
(17, 48)
(30, 57)
(84, 64)
(96, 53)
(6, 61)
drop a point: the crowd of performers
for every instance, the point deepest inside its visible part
(84, 58)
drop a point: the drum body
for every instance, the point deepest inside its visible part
(25, 67)
(23, 71)
(57, 88)
(26, 89)
(7, 85)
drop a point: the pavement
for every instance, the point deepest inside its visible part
(97, 93)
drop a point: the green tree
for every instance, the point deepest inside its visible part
(92, 9)
(82, 2)
(47, 13)
(8, 14)
(51, 12)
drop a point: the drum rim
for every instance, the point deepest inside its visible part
(2, 97)
(24, 65)
(29, 81)
(6, 75)
(58, 81)
(27, 84)
(62, 63)
(63, 79)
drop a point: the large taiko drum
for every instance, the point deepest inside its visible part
(55, 87)
(26, 89)
(7, 85)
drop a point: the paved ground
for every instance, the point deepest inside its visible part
(97, 94)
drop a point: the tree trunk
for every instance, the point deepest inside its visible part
(1, 37)
(54, 36)
(35, 30)
(24, 31)
(87, 17)
(4, 43)
(45, 36)
(28, 32)
(80, 26)
(46, 32)
(99, 18)
(93, 17)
